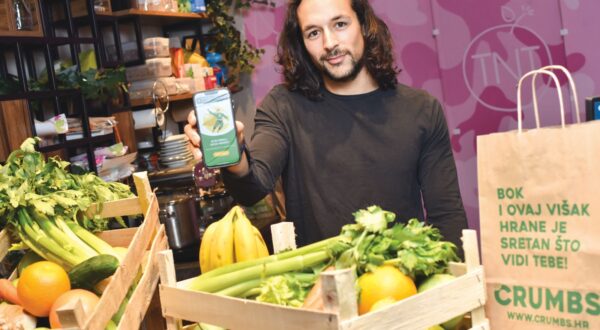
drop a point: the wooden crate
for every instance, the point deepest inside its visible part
(148, 238)
(464, 294)
(8, 25)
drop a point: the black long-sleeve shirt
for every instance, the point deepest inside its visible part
(388, 147)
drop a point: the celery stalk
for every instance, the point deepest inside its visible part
(238, 289)
(35, 234)
(243, 289)
(59, 236)
(90, 239)
(40, 250)
(224, 281)
(60, 223)
(314, 247)
(250, 294)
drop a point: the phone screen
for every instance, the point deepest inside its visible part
(216, 125)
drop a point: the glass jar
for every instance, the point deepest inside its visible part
(23, 15)
(101, 6)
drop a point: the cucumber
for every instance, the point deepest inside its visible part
(88, 273)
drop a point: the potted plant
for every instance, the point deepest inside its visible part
(104, 85)
(238, 56)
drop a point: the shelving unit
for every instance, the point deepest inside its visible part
(30, 48)
(168, 22)
(156, 17)
(148, 100)
(8, 23)
(94, 140)
(61, 27)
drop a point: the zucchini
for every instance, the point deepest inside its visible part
(88, 273)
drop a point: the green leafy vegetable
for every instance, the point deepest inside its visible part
(372, 240)
(374, 219)
(287, 290)
(415, 248)
(41, 202)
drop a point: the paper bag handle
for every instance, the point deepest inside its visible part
(571, 84)
(558, 89)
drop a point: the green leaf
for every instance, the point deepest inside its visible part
(286, 290)
(41, 204)
(374, 219)
(29, 144)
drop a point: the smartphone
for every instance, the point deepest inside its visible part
(216, 126)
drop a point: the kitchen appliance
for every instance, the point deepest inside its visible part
(179, 214)
(214, 206)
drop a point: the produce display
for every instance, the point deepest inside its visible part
(44, 208)
(389, 260)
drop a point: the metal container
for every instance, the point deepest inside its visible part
(180, 218)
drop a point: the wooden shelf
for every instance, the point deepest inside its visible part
(21, 33)
(172, 98)
(156, 17)
(40, 94)
(12, 39)
(78, 142)
(146, 16)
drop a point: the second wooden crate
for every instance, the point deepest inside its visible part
(462, 295)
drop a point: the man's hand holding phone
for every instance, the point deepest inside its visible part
(191, 132)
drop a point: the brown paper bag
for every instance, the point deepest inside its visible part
(539, 198)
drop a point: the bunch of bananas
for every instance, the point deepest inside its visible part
(231, 239)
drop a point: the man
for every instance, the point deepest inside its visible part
(342, 133)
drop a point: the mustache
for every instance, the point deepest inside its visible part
(333, 53)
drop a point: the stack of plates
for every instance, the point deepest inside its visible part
(174, 151)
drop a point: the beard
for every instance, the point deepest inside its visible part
(347, 75)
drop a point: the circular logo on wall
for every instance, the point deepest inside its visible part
(497, 57)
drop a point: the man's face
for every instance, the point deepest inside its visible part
(332, 36)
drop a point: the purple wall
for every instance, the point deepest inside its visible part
(470, 55)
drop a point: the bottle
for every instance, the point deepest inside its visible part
(23, 15)
(177, 57)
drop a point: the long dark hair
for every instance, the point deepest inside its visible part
(301, 74)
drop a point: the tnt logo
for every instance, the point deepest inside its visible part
(497, 57)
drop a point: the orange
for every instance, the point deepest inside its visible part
(382, 304)
(39, 286)
(384, 282)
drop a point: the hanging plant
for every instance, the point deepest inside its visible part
(238, 56)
